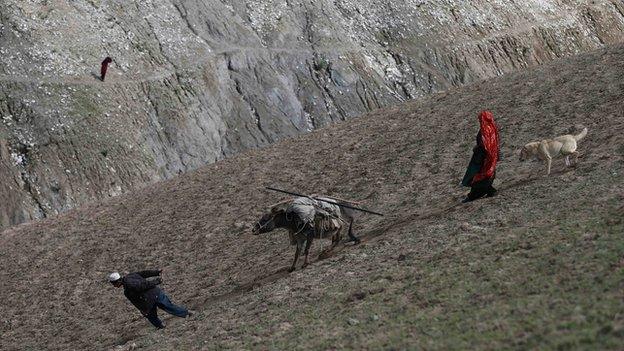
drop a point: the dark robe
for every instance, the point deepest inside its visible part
(482, 187)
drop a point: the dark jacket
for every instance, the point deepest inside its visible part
(141, 292)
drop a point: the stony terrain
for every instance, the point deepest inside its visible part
(196, 81)
(540, 266)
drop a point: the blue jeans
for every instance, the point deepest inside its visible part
(166, 305)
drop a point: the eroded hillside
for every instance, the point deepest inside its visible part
(196, 81)
(538, 266)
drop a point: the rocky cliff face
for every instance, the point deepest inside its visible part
(196, 81)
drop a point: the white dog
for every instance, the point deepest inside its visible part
(548, 149)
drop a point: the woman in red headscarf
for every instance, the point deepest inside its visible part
(482, 167)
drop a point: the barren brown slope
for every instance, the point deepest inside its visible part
(540, 265)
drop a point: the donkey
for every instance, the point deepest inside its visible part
(318, 220)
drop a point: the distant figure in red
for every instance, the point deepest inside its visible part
(104, 68)
(482, 167)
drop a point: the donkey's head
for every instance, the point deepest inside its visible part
(265, 224)
(275, 217)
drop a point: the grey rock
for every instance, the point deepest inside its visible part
(353, 321)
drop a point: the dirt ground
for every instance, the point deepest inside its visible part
(538, 266)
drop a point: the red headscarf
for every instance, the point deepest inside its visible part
(489, 139)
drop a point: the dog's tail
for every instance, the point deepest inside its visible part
(581, 135)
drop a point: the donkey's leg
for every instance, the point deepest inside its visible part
(335, 241)
(307, 249)
(294, 264)
(352, 237)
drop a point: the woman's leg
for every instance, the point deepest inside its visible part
(479, 190)
(476, 192)
(491, 191)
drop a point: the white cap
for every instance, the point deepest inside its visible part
(113, 277)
